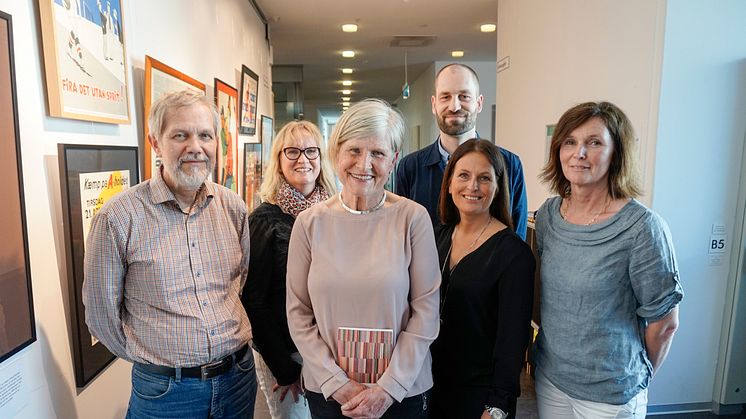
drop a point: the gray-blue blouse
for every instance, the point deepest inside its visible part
(600, 286)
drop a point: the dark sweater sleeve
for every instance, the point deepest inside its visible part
(402, 186)
(264, 298)
(515, 299)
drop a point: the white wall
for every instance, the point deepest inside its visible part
(201, 38)
(698, 162)
(568, 52)
(417, 110)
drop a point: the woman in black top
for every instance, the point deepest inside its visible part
(486, 291)
(297, 177)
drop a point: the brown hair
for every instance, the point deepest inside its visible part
(623, 178)
(500, 205)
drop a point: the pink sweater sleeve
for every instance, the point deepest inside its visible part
(317, 357)
(413, 343)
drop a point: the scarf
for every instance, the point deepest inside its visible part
(292, 202)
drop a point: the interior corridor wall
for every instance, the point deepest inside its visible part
(569, 52)
(202, 38)
(700, 140)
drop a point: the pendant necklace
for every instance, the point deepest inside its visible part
(362, 212)
(595, 217)
(447, 259)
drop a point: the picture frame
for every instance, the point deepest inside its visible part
(159, 80)
(248, 101)
(17, 323)
(90, 175)
(85, 60)
(267, 135)
(226, 161)
(252, 174)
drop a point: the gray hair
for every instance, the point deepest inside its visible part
(176, 100)
(368, 118)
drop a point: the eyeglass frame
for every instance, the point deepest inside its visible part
(301, 151)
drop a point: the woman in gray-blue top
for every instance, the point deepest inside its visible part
(609, 279)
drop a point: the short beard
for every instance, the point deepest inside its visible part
(470, 121)
(189, 181)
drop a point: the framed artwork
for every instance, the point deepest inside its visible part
(226, 163)
(159, 80)
(17, 326)
(85, 60)
(90, 176)
(252, 174)
(267, 135)
(248, 102)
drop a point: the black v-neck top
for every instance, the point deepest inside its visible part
(486, 305)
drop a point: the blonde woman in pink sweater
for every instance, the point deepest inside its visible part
(363, 281)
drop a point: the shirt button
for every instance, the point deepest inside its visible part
(204, 304)
(212, 333)
(194, 244)
(199, 274)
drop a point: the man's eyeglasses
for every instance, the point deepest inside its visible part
(293, 153)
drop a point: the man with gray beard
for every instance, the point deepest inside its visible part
(164, 265)
(455, 105)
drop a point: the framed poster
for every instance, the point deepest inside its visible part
(267, 135)
(252, 174)
(90, 176)
(159, 80)
(85, 60)
(17, 326)
(226, 163)
(248, 103)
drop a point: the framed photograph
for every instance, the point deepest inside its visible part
(89, 177)
(85, 60)
(248, 103)
(226, 163)
(252, 174)
(17, 326)
(159, 80)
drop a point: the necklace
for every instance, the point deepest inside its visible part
(444, 295)
(595, 217)
(362, 212)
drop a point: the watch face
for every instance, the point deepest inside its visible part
(496, 413)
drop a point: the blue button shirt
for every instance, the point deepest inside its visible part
(420, 174)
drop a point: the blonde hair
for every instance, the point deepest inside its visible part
(273, 174)
(368, 118)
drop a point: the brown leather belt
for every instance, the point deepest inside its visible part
(203, 372)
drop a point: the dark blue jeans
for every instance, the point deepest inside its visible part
(414, 407)
(230, 395)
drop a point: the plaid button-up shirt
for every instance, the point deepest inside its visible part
(162, 286)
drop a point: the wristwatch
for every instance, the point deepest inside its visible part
(495, 412)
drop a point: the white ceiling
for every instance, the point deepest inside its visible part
(309, 33)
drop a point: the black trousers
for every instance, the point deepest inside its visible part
(414, 407)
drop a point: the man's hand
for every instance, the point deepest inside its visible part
(293, 388)
(370, 403)
(347, 391)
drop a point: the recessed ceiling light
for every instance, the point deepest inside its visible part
(488, 27)
(346, 71)
(457, 54)
(349, 27)
(348, 54)
(346, 83)
(345, 99)
(346, 92)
